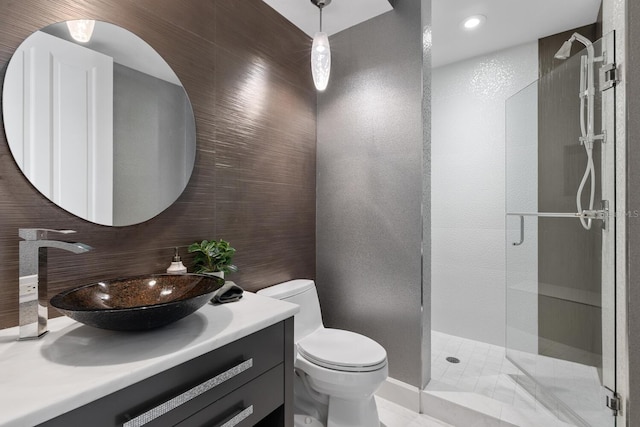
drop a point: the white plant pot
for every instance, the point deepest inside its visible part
(219, 274)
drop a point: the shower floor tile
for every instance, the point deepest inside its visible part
(484, 371)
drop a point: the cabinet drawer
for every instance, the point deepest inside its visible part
(264, 350)
(245, 406)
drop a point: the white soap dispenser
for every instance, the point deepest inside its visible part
(176, 266)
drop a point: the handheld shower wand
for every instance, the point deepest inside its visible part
(587, 93)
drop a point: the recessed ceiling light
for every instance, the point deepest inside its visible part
(473, 22)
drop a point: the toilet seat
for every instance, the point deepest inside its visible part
(342, 351)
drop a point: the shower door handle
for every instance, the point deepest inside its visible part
(602, 215)
(521, 232)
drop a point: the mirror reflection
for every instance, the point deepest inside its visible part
(103, 128)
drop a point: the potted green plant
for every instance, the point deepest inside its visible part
(213, 257)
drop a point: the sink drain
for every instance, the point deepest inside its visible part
(453, 359)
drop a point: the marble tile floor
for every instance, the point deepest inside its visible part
(392, 415)
(485, 379)
(576, 384)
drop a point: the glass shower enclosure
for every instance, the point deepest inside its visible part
(560, 236)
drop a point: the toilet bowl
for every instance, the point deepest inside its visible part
(337, 371)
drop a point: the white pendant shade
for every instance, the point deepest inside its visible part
(320, 60)
(81, 29)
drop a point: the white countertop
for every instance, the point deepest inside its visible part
(76, 364)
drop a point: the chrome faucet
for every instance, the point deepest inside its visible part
(33, 313)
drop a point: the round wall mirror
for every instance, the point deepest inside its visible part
(98, 122)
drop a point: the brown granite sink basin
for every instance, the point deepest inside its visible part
(137, 303)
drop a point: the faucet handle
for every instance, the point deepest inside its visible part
(39, 233)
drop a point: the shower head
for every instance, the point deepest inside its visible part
(565, 51)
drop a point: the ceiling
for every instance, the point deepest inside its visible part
(509, 22)
(338, 16)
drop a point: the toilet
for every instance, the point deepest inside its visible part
(336, 371)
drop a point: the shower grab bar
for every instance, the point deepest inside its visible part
(601, 214)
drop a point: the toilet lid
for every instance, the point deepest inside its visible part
(342, 350)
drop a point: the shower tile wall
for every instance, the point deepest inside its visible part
(468, 168)
(569, 263)
(521, 192)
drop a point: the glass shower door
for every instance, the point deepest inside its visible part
(560, 239)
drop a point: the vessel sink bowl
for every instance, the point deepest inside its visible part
(137, 303)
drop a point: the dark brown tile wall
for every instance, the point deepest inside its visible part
(568, 255)
(245, 69)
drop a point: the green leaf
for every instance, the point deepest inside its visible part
(211, 256)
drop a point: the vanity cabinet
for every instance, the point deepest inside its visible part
(245, 383)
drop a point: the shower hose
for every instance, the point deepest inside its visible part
(587, 91)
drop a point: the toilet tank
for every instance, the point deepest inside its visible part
(302, 292)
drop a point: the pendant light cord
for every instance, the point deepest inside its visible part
(320, 18)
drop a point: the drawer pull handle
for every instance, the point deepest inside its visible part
(233, 422)
(183, 398)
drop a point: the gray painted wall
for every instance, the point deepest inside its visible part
(152, 120)
(370, 187)
(426, 192)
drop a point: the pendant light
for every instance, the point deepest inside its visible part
(320, 53)
(81, 29)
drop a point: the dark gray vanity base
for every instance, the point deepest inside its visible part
(267, 386)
